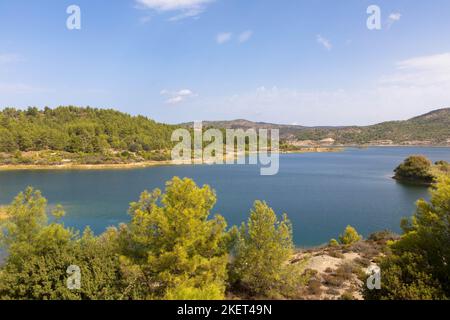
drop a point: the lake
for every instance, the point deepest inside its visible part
(321, 192)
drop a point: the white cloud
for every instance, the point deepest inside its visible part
(425, 71)
(223, 37)
(175, 97)
(393, 18)
(185, 8)
(414, 86)
(324, 42)
(245, 36)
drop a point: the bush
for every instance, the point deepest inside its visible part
(383, 236)
(417, 267)
(315, 287)
(263, 247)
(39, 254)
(333, 280)
(415, 169)
(336, 254)
(349, 236)
(345, 271)
(347, 296)
(334, 243)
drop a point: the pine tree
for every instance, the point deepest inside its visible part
(174, 247)
(262, 252)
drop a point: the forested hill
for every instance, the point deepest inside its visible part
(80, 130)
(77, 130)
(430, 129)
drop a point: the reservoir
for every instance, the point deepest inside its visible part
(322, 193)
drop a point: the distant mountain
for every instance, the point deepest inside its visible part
(432, 128)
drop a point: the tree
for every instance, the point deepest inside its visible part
(417, 267)
(349, 236)
(415, 169)
(40, 253)
(261, 253)
(173, 250)
(7, 141)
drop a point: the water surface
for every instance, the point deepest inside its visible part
(321, 192)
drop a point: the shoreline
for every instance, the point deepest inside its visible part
(105, 166)
(148, 164)
(135, 165)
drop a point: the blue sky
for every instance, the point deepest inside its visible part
(310, 62)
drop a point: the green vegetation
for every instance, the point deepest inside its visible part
(175, 245)
(80, 135)
(73, 135)
(415, 169)
(262, 249)
(39, 253)
(350, 236)
(417, 266)
(334, 243)
(431, 128)
(418, 169)
(171, 249)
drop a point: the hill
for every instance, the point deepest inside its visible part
(432, 128)
(74, 133)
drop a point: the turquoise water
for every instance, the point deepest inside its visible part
(321, 192)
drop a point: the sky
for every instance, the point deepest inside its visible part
(306, 62)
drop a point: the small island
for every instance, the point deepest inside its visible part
(418, 169)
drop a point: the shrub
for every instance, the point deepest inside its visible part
(417, 267)
(383, 236)
(336, 254)
(333, 280)
(347, 296)
(416, 169)
(315, 287)
(349, 236)
(264, 246)
(334, 243)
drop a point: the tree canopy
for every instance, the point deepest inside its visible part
(74, 129)
(415, 169)
(173, 248)
(417, 267)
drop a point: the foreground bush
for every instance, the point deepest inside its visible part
(39, 254)
(263, 247)
(171, 249)
(178, 251)
(418, 266)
